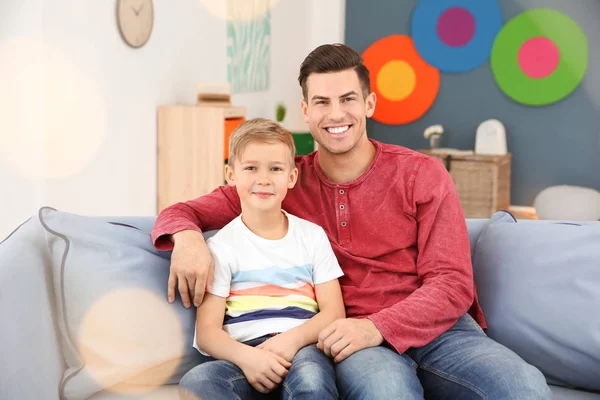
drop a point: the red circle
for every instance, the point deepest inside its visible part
(427, 80)
(456, 27)
(538, 57)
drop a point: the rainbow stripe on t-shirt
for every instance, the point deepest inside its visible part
(273, 296)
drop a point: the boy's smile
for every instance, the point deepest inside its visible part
(263, 195)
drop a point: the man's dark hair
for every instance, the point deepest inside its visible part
(334, 58)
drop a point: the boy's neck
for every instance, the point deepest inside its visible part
(271, 224)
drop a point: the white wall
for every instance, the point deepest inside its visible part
(326, 22)
(18, 196)
(83, 103)
(78, 106)
(297, 28)
(289, 46)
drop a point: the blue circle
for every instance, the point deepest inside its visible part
(488, 22)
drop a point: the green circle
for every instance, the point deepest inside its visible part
(572, 45)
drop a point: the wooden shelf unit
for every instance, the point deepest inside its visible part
(191, 150)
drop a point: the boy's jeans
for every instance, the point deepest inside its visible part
(312, 376)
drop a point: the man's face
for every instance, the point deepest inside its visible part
(336, 110)
(262, 175)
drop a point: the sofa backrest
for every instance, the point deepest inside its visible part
(475, 226)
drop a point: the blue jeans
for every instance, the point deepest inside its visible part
(311, 376)
(463, 363)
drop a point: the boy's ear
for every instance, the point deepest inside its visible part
(229, 175)
(293, 178)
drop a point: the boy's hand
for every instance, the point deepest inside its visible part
(264, 370)
(284, 345)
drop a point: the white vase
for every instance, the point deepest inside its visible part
(435, 141)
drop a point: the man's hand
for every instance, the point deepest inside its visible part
(264, 370)
(191, 267)
(284, 345)
(345, 337)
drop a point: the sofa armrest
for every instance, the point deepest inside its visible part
(32, 365)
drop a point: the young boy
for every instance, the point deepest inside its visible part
(275, 284)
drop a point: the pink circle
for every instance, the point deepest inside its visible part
(456, 26)
(538, 57)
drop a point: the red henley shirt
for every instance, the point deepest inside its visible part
(398, 232)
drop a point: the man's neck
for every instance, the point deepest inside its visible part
(271, 225)
(341, 168)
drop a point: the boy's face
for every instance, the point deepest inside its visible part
(262, 175)
(336, 110)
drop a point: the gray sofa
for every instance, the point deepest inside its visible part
(84, 315)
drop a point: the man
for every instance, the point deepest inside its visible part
(394, 220)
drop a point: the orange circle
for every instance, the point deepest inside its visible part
(396, 80)
(426, 81)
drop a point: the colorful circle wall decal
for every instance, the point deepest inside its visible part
(539, 57)
(455, 35)
(406, 86)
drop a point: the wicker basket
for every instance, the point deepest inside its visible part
(482, 182)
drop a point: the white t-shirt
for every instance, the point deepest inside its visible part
(270, 284)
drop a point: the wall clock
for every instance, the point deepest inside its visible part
(135, 19)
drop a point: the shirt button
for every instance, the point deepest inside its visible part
(342, 207)
(341, 191)
(343, 223)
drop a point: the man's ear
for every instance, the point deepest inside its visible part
(370, 102)
(293, 178)
(304, 106)
(229, 175)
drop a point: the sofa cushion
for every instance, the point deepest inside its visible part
(29, 343)
(539, 287)
(562, 393)
(118, 331)
(167, 392)
(476, 227)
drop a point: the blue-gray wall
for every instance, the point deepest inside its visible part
(551, 145)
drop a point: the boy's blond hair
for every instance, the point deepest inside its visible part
(260, 130)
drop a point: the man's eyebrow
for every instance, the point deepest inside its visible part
(350, 93)
(316, 97)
